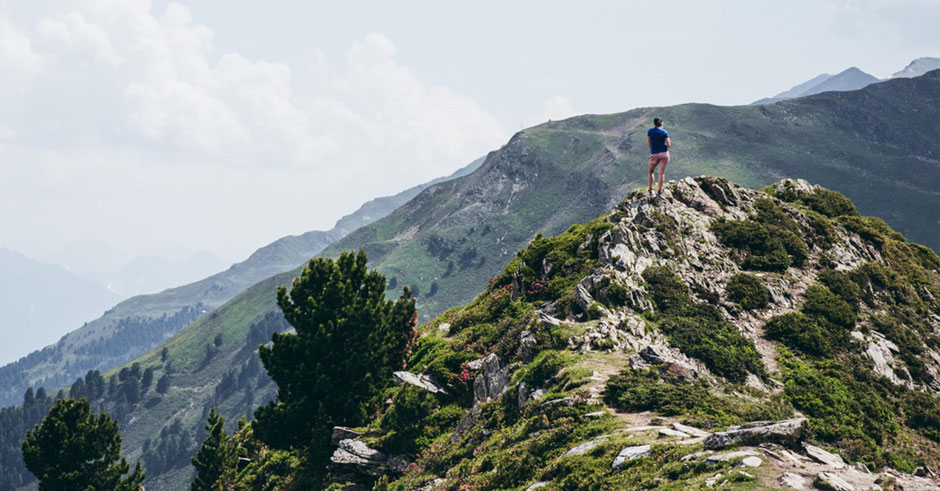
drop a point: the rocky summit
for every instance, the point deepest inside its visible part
(716, 337)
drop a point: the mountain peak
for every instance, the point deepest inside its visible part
(918, 67)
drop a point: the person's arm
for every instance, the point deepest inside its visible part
(649, 141)
(668, 143)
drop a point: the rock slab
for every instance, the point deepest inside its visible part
(787, 432)
(832, 482)
(630, 453)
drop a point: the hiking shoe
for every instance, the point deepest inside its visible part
(659, 196)
(650, 191)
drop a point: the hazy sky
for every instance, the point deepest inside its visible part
(223, 125)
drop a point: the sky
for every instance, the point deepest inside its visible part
(173, 127)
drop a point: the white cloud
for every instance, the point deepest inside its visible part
(557, 107)
(123, 115)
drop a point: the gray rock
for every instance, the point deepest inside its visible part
(536, 485)
(751, 461)
(475, 364)
(690, 430)
(630, 453)
(651, 355)
(672, 433)
(492, 382)
(523, 395)
(527, 345)
(832, 482)
(792, 480)
(344, 433)
(585, 447)
(421, 381)
(824, 457)
(719, 458)
(359, 458)
(787, 432)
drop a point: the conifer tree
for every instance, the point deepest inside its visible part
(348, 339)
(74, 449)
(214, 456)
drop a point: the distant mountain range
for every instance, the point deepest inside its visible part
(849, 79)
(41, 302)
(134, 326)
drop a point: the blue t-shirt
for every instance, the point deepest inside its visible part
(658, 139)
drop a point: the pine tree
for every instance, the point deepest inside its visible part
(163, 384)
(74, 449)
(215, 455)
(347, 341)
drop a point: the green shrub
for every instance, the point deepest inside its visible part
(824, 234)
(767, 247)
(699, 330)
(546, 365)
(667, 291)
(409, 407)
(864, 229)
(617, 293)
(922, 412)
(667, 395)
(842, 410)
(822, 303)
(799, 331)
(748, 291)
(703, 333)
(842, 285)
(767, 212)
(830, 203)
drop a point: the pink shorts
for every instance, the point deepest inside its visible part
(659, 158)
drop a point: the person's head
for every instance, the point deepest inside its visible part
(657, 122)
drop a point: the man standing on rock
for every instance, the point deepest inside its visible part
(659, 154)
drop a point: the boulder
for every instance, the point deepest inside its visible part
(492, 382)
(791, 480)
(824, 457)
(751, 461)
(422, 381)
(689, 430)
(788, 432)
(527, 343)
(585, 447)
(719, 458)
(667, 432)
(359, 458)
(630, 453)
(344, 433)
(832, 482)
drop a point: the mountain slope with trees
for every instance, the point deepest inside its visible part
(135, 326)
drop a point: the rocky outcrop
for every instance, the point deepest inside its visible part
(487, 386)
(585, 447)
(630, 453)
(788, 432)
(354, 460)
(492, 382)
(824, 457)
(421, 381)
(832, 482)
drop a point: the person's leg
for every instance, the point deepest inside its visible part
(662, 173)
(663, 162)
(651, 172)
